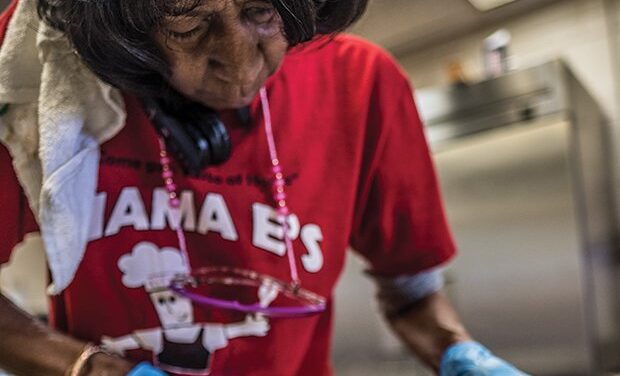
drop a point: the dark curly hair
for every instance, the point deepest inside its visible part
(114, 37)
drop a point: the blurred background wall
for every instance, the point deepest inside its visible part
(427, 35)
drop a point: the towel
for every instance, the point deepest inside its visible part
(59, 113)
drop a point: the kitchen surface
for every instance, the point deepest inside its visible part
(521, 105)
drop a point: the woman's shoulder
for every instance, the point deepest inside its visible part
(352, 42)
(340, 47)
(348, 53)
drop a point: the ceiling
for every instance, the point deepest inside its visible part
(405, 26)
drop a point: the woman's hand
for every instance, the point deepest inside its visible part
(103, 364)
(29, 347)
(473, 359)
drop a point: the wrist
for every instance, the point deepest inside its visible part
(458, 342)
(80, 365)
(449, 338)
(461, 348)
(109, 365)
(93, 360)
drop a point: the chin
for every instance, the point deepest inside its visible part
(220, 104)
(222, 97)
(227, 97)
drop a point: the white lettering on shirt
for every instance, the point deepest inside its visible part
(214, 216)
(128, 211)
(311, 235)
(267, 233)
(97, 218)
(162, 213)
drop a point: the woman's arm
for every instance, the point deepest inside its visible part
(429, 327)
(432, 330)
(30, 348)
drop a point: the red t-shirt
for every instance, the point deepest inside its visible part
(358, 171)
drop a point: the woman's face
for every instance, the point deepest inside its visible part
(222, 51)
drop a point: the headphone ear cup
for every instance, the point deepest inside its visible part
(214, 132)
(200, 152)
(194, 134)
(219, 140)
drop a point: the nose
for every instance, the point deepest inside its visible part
(243, 72)
(234, 53)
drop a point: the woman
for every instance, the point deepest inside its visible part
(86, 150)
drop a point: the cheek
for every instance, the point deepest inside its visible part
(183, 67)
(274, 50)
(187, 73)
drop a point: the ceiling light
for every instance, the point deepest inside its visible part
(486, 5)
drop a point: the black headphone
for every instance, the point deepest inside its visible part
(193, 133)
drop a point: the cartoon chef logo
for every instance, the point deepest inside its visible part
(179, 345)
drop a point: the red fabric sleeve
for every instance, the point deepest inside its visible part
(16, 219)
(5, 17)
(401, 225)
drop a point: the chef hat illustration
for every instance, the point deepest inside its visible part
(150, 267)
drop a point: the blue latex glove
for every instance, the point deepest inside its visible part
(145, 369)
(473, 359)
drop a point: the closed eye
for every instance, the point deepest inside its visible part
(183, 30)
(184, 35)
(260, 14)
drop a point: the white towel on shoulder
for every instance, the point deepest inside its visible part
(59, 113)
